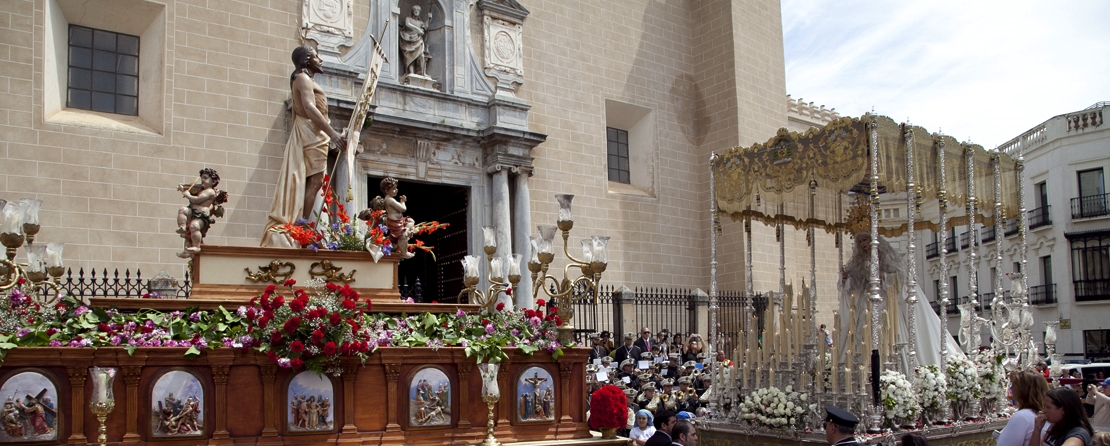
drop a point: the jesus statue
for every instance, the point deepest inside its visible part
(854, 288)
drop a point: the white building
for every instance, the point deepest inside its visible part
(1068, 256)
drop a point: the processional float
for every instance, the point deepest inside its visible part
(806, 181)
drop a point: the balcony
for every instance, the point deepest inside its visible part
(1092, 290)
(1042, 294)
(950, 244)
(1009, 227)
(953, 306)
(1039, 217)
(965, 239)
(986, 299)
(987, 234)
(1089, 207)
(932, 250)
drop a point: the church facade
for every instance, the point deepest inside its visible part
(509, 103)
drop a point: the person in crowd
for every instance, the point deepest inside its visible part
(664, 421)
(644, 428)
(607, 342)
(828, 336)
(627, 351)
(694, 346)
(672, 365)
(677, 344)
(1070, 426)
(661, 339)
(1027, 389)
(1099, 396)
(628, 371)
(915, 439)
(722, 359)
(840, 427)
(1043, 368)
(597, 351)
(683, 433)
(645, 342)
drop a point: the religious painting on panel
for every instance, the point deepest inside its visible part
(535, 395)
(310, 399)
(30, 409)
(177, 406)
(429, 398)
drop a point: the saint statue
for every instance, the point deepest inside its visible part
(854, 287)
(414, 50)
(306, 153)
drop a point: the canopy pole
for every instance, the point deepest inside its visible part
(942, 197)
(974, 338)
(715, 227)
(912, 202)
(998, 299)
(873, 291)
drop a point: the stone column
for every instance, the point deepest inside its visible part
(624, 299)
(701, 302)
(78, 408)
(502, 217)
(131, 377)
(522, 228)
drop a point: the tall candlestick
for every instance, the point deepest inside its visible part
(833, 369)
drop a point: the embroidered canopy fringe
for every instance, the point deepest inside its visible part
(753, 181)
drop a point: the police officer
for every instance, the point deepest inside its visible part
(840, 427)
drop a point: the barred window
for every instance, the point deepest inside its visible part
(103, 71)
(617, 142)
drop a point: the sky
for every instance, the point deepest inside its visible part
(978, 70)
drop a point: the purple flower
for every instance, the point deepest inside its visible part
(460, 313)
(490, 329)
(535, 321)
(242, 311)
(55, 343)
(463, 342)
(176, 314)
(184, 344)
(195, 317)
(515, 332)
(284, 362)
(201, 344)
(170, 343)
(22, 333)
(114, 340)
(551, 348)
(80, 310)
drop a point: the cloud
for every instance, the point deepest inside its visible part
(980, 70)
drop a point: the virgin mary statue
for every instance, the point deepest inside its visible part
(853, 286)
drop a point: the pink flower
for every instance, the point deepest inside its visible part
(490, 329)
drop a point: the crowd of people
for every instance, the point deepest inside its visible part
(666, 382)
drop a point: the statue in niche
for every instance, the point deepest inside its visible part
(414, 49)
(205, 205)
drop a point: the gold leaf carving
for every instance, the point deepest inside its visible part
(276, 272)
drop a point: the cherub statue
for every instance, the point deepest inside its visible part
(400, 228)
(204, 207)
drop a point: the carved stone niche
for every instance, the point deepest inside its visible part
(330, 23)
(503, 30)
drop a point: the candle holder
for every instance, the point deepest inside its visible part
(19, 222)
(503, 273)
(103, 400)
(594, 261)
(490, 395)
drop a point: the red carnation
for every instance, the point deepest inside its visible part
(263, 321)
(296, 363)
(296, 347)
(289, 282)
(329, 348)
(279, 302)
(608, 408)
(349, 304)
(271, 288)
(275, 338)
(273, 356)
(540, 302)
(331, 287)
(485, 321)
(292, 324)
(317, 336)
(251, 314)
(500, 306)
(297, 306)
(336, 319)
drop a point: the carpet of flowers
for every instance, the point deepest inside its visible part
(900, 404)
(775, 408)
(344, 331)
(608, 408)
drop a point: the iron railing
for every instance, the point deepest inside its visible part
(932, 250)
(1042, 294)
(950, 244)
(1089, 206)
(590, 318)
(1092, 290)
(986, 235)
(113, 285)
(1009, 227)
(1040, 217)
(672, 308)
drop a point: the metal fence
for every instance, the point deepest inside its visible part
(674, 309)
(83, 286)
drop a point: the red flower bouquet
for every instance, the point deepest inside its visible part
(309, 331)
(608, 408)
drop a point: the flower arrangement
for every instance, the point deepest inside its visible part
(309, 331)
(608, 408)
(897, 394)
(333, 230)
(993, 381)
(771, 407)
(379, 234)
(931, 387)
(963, 379)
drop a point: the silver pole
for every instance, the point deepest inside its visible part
(713, 304)
(876, 299)
(911, 217)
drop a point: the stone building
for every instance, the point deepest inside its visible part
(517, 103)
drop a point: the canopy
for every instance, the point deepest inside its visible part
(754, 181)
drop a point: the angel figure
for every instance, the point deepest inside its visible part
(391, 209)
(205, 205)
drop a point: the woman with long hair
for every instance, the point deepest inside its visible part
(1027, 389)
(1070, 426)
(694, 345)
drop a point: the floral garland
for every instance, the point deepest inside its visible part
(312, 331)
(931, 387)
(898, 397)
(963, 379)
(608, 408)
(774, 408)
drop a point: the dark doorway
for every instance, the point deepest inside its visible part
(440, 276)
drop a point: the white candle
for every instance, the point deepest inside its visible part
(587, 250)
(514, 265)
(470, 266)
(13, 219)
(54, 254)
(495, 269)
(489, 236)
(102, 388)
